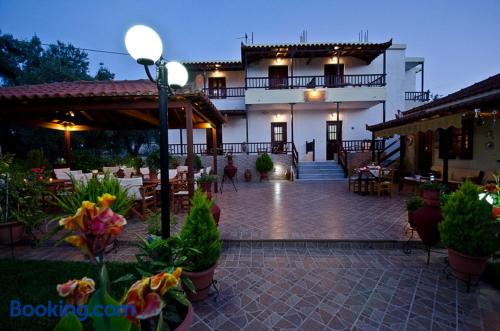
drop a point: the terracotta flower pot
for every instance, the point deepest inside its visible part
(466, 267)
(495, 212)
(425, 221)
(410, 219)
(206, 186)
(431, 198)
(188, 320)
(202, 281)
(248, 175)
(216, 213)
(264, 176)
(17, 230)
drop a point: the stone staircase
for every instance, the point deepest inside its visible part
(320, 171)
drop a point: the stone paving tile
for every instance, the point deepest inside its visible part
(379, 289)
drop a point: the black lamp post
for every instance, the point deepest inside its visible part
(145, 46)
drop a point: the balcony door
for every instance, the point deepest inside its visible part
(278, 137)
(217, 87)
(278, 77)
(333, 138)
(334, 75)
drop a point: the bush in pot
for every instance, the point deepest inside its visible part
(264, 164)
(431, 191)
(205, 182)
(201, 239)
(468, 232)
(412, 205)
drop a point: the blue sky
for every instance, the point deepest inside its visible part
(460, 40)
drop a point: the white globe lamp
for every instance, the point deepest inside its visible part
(177, 74)
(143, 44)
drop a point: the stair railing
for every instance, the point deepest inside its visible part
(310, 147)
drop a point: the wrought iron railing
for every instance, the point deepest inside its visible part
(333, 81)
(418, 96)
(224, 92)
(235, 148)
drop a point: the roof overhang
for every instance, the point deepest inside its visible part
(116, 105)
(412, 62)
(214, 65)
(364, 51)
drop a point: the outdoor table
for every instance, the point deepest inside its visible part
(414, 181)
(365, 177)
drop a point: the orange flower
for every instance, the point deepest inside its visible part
(106, 200)
(77, 291)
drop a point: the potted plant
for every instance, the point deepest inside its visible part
(492, 196)
(153, 162)
(201, 238)
(264, 164)
(468, 232)
(205, 182)
(431, 191)
(197, 164)
(412, 205)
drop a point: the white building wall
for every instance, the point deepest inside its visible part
(395, 80)
(234, 131)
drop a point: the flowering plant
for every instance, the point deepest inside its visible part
(94, 227)
(76, 291)
(41, 173)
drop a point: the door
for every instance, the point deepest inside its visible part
(278, 137)
(333, 138)
(425, 141)
(217, 87)
(334, 75)
(278, 77)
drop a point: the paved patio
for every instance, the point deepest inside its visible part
(309, 210)
(267, 286)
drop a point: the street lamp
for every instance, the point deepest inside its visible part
(145, 46)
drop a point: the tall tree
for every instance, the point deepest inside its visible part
(103, 73)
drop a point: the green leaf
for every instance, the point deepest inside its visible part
(179, 296)
(125, 278)
(69, 323)
(189, 284)
(107, 323)
(104, 277)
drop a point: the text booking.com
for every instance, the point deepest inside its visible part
(61, 309)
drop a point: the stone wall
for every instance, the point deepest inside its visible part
(358, 159)
(282, 162)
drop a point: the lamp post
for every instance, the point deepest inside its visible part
(145, 46)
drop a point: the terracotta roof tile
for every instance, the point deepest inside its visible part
(79, 89)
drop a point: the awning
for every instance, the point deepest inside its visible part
(423, 125)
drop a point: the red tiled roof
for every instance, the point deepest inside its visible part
(79, 89)
(469, 97)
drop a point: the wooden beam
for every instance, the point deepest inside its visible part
(189, 159)
(141, 116)
(67, 145)
(60, 127)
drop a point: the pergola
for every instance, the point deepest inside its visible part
(108, 105)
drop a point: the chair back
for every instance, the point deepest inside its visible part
(172, 173)
(133, 186)
(111, 170)
(83, 178)
(182, 169)
(128, 172)
(208, 170)
(76, 172)
(62, 173)
(144, 172)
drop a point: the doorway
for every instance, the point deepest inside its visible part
(424, 150)
(278, 77)
(334, 75)
(278, 137)
(217, 87)
(333, 138)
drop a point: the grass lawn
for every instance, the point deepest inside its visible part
(34, 282)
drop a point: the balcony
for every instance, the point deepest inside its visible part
(328, 81)
(224, 92)
(417, 96)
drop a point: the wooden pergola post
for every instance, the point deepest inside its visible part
(214, 153)
(189, 158)
(67, 146)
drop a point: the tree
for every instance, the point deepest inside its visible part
(27, 62)
(103, 73)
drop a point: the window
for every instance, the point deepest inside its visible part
(217, 87)
(457, 142)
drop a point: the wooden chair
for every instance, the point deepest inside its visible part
(144, 195)
(181, 195)
(384, 181)
(353, 179)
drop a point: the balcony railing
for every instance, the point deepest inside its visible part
(224, 92)
(417, 96)
(235, 148)
(333, 81)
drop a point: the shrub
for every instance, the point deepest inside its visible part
(153, 159)
(36, 159)
(467, 226)
(91, 190)
(87, 160)
(432, 186)
(154, 223)
(206, 178)
(135, 162)
(264, 163)
(200, 233)
(197, 164)
(414, 203)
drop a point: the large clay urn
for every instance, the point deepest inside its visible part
(248, 175)
(216, 213)
(230, 169)
(427, 218)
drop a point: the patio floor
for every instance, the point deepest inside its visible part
(309, 210)
(292, 287)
